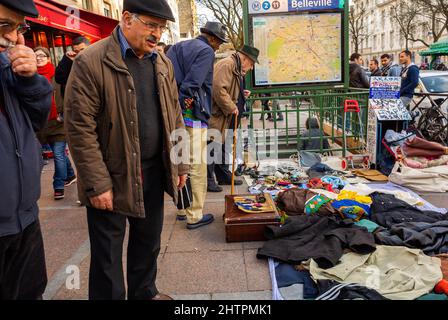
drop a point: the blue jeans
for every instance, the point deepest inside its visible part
(62, 166)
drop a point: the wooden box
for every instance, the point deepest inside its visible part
(241, 226)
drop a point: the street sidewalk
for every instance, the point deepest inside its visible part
(193, 264)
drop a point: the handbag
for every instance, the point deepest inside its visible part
(433, 179)
(185, 196)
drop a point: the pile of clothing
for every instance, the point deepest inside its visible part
(364, 242)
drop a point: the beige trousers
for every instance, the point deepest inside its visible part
(198, 174)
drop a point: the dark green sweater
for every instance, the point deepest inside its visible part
(148, 106)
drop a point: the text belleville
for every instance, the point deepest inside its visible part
(310, 3)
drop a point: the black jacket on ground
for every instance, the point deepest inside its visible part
(323, 239)
(386, 210)
(26, 102)
(358, 77)
(432, 238)
(63, 72)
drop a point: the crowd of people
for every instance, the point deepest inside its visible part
(407, 70)
(115, 104)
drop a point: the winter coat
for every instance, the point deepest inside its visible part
(101, 121)
(358, 77)
(26, 103)
(226, 90)
(193, 67)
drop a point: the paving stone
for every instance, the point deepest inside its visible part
(202, 272)
(206, 238)
(257, 270)
(192, 296)
(255, 295)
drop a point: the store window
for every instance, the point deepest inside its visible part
(107, 10)
(87, 4)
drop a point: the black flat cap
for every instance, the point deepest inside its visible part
(155, 8)
(25, 7)
(215, 29)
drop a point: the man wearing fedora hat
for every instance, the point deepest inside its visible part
(193, 66)
(228, 99)
(121, 108)
(25, 100)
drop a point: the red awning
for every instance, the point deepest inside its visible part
(59, 16)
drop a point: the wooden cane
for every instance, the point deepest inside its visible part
(232, 189)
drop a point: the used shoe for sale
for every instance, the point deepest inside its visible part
(58, 194)
(206, 219)
(71, 180)
(228, 183)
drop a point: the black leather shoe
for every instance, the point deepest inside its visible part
(214, 188)
(228, 183)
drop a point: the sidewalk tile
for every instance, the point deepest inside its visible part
(202, 272)
(258, 278)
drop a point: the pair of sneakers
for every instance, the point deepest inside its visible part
(206, 219)
(59, 193)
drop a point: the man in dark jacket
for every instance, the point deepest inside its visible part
(65, 65)
(313, 131)
(193, 67)
(358, 77)
(25, 99)
(374, 68)
(409, 78)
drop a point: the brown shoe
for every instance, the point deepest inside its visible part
(162, 296)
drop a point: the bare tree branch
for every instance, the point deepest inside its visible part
(358, 29)
(230, 14)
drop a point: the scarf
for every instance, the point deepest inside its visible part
(48, 72)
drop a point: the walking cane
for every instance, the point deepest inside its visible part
(232, 190)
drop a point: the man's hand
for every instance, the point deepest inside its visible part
(236, 112)
(103, 201)
(247, 93)
(23, 59)
(71, 55)
(181, 180)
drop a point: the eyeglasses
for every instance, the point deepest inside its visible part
(41, 56)
(151, 25)
(21, 28)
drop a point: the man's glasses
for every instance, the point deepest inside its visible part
(151, 25)
(21, 28)
(41, 56)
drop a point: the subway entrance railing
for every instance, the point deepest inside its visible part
(284, 133)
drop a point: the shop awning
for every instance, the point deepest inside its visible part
(59, 16)
(437, 49)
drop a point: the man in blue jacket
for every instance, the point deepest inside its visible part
(409, 78)
(25, 99)
(193, 67)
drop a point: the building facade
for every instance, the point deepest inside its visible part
(188, 19)
(108, 8)
(383, 33)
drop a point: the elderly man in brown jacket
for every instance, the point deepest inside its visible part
(121, 106)
(228, 101)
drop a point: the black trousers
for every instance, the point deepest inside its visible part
(221, 170)
(23, 273)
(107, 231)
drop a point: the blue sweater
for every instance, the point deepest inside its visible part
(409, 80)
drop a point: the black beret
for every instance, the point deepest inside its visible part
(156, 8)
(25, 7)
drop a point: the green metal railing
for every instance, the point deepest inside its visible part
(325, 105)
